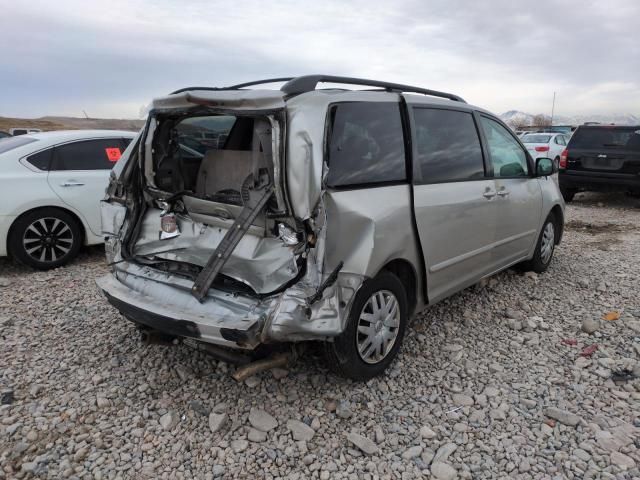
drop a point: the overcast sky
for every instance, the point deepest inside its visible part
(111, 57)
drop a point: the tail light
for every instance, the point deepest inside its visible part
(563, 158)
(542, 149)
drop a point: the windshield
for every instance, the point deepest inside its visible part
(536, 138)
(10, 143)
(606, 137)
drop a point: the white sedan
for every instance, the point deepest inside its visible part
(51, 185)
(550, 145)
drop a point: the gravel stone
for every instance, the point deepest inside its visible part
(256, 435)
(261, 420)
(563, 416)
(412, 452)
(217, 421)
(427, 433)
(590, 325)
(300, 430)
(363, 443)
(462, 400)
(443, 471)
(169, 420)
(621, 460)
(476, 377)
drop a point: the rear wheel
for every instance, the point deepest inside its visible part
(544, 248)
(374, 331)
(45, 238)
(568, 194)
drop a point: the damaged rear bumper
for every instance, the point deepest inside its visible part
(163, 302)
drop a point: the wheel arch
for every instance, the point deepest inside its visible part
(75, 216)
(559, 216)
(406, 272)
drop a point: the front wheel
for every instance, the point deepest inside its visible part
(544, 248)
(374, 331)
(45, 238)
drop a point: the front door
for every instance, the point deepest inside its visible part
(454, 201)
(79, 175)
(518, 195)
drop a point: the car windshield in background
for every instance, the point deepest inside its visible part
(10, 143)
(607, 137)
(204, 133)
(536, 138)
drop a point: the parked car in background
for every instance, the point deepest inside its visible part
(51, 185)
(23, 131)
(327, 214)
(601, 158)
(550, 145)
(4, 134)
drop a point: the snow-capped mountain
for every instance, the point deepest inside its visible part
(516, 117)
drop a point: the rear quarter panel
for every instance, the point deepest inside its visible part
(368, 228)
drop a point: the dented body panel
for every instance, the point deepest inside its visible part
(302, 259)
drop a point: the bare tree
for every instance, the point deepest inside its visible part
(517, 124)
(541, 121)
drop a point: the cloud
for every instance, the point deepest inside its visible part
(109, 58)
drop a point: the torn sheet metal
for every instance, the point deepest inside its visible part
(263, 263)
(244, 100)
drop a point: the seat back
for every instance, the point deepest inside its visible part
(225, 170)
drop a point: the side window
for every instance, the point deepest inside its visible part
(507, 157)
(88, 155)
(559, 140)
(448, 146)
(41, 159)
(365, 144)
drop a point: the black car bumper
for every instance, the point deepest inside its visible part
(600, 182)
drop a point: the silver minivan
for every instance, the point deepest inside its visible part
(243, 216)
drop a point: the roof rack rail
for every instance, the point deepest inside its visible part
(236, 87)
(308, 83)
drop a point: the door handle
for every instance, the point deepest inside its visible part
(71, 184)
(489, 194)
(503, 192)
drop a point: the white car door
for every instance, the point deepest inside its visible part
(79, 175)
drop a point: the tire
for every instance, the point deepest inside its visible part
(343, 354)
(544, 247)
(45, 238)
(568, 194)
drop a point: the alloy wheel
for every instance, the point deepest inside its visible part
(47, 239)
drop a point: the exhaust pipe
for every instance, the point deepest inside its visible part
(153, 337)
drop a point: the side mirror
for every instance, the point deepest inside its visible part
(545, 167)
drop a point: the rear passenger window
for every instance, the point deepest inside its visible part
(41, 159)
(366, 144)
(507, 156)
(88, 155)
(448, 146)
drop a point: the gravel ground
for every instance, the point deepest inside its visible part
(490, 383)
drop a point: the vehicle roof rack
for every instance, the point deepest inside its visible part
(308, 83)
(236, 87)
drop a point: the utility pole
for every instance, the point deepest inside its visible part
(553, 107)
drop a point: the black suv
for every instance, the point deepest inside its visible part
(601, 158)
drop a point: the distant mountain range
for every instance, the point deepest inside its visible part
(516, 117)
(71, 123)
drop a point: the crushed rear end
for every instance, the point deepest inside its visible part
(202, 235)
